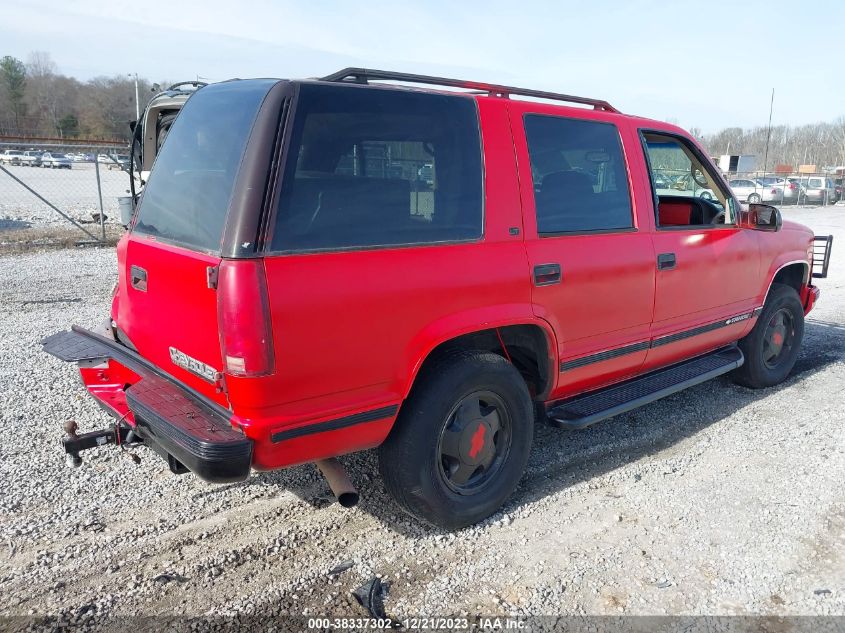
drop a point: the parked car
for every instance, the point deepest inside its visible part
(11, 157)
(789, 189)
(30, 158)
(838, 188)
(118, 161)
(312, 313)
(818, 189)
(662, 181)
(754, 190)
(55, 160)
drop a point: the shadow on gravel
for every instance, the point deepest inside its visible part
(561, 459)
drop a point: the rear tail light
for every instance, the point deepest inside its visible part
(774, 191)
(791, 185)
(243, 313)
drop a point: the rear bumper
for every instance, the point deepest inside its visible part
(182, 425)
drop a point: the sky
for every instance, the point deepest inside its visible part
(698, 64)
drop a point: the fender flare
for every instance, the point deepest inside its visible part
(459, 324)
(779, 265)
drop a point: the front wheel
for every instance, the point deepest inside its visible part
(772, 346)
(754, 198)
(461, 442)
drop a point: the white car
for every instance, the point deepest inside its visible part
(790, 189)
(31, 158)
(11, 157)
(55, 160)
(754, 191)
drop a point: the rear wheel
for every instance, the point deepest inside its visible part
(754, 198)
(461, 442)
(772, 347)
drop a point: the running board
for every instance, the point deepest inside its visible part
(587, 409)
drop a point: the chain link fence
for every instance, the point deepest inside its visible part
(48, 185)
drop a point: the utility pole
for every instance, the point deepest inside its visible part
(137, 101)
(768, 134)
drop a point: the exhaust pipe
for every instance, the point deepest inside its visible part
(338, 481)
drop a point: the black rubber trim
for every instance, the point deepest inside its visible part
(338, 423)
(586, 409)
(679, 336)
(658, 342)
(605, 355)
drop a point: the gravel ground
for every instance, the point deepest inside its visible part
(718, 500)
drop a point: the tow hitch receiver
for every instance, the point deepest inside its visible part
(73, 443)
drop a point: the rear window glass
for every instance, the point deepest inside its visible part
(580, 181)
(187, 196)
(379, 167)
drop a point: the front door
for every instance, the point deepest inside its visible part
(592, 265)
(708, 268)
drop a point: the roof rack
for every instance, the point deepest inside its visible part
(364, 75)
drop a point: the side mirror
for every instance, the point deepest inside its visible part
(761, 217)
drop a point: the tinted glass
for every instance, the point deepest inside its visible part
(187, 196)
(580, 181)
(379, 167)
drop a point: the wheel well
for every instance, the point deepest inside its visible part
(526, 346)
(791, 275)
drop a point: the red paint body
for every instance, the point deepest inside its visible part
(351, 329)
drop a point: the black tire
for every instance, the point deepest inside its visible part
(772, 347)
(416, 461)
(164, 123)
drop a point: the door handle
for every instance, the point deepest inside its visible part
(666, 261)
(138, 278)
(547, 274)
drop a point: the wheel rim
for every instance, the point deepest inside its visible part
(754, 198)
(778, 338)
(474, 442)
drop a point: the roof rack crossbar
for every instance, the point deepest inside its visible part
(364, 75)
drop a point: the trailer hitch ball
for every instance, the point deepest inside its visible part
(72, 459)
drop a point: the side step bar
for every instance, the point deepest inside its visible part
(587, 409)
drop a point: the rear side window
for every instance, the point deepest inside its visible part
(580, 180)
(188, 194)
(379, 167)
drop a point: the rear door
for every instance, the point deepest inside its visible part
(167, 308)
(592, 261)
(384, 244)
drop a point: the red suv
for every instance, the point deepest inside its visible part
(326, 266)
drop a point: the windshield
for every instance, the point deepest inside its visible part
(187, 197)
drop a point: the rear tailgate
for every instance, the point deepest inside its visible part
(168, 311)
(167, 304)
